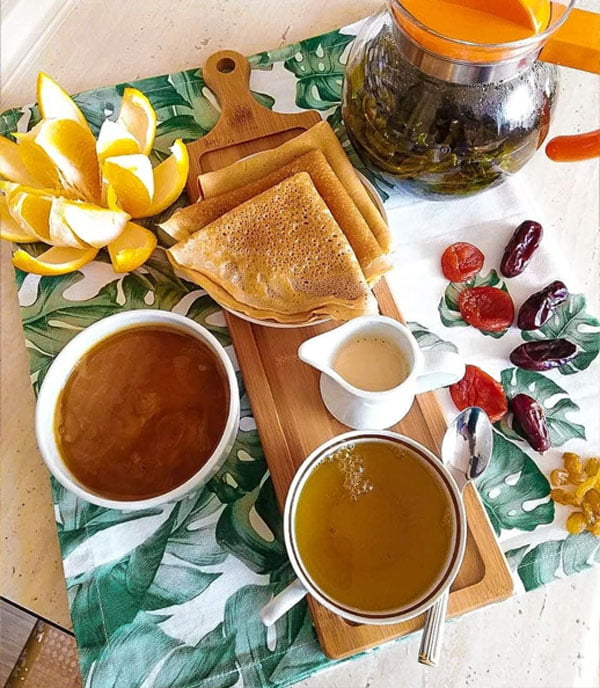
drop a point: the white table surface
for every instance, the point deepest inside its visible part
(549, 637)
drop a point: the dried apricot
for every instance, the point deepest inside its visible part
(461, 261)
(576, 523)
(592, 499)
(487, 308)
(477, 388)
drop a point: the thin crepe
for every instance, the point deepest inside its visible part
(320, 137)
(281, 252)
(371, 257)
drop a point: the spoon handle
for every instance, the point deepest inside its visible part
(431, 640)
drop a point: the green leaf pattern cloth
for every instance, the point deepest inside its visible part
(169, 597)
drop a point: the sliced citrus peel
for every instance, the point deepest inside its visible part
(132, 181)
(57, 260)
(132, 248)
(90, 224)
(10, 229)
(114, 139)
(137, 116)
(169, 179)
(55, 103)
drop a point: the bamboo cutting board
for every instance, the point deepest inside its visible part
(284, 392)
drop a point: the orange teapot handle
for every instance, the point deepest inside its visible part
(576, 45)
(574, 148)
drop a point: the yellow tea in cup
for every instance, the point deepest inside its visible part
(375, 526)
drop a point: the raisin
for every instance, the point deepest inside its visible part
(592, 466)
(592, 499)
(559, 477)
(572, 462)
(486, 308)
(543, 355)
(562, 497)
(576, 523)
(461, 261)
(529, 420)
(477, 388)
(540, 307)
(595, 528)
(520, 248)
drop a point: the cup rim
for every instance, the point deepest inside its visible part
(442, 583)
(60, 371)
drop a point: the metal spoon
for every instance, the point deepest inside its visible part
(466, 451)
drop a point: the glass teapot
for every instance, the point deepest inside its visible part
(443, 116)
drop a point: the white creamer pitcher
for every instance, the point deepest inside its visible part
(362, 409)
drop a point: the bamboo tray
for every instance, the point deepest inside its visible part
(284, 392)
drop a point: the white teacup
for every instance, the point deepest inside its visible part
(362, 409)
(304, 583)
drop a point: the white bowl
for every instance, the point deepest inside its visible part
(67, 359)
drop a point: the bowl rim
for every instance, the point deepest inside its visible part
(442, 583)
(61, 369)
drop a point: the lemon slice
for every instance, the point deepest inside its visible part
(32, 212)
(10, 229)
(57, 260)
(137, 116)
(12, 166)
(90, 224)
(114, 139)
(72, 149)
(132, 249)
(170, 178)
(56, 103)
(132, 181)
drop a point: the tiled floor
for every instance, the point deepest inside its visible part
(34, 653)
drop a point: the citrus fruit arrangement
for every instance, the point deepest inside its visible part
(62, 187)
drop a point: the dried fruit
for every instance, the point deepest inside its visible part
(572, 462)
(486, 308)
(461, 261)
(559, 477)
(540, 306)
(529, 420)
(477, 388)
(544, 354)
(520, 248)
(576, 523)
(563, 497)
(586, 496)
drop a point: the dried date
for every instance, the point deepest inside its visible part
(529, 420)
(540, 306)
(543, 355)
(520, 248)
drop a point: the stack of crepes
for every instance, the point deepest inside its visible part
(288, 235)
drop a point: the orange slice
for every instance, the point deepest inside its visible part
(137, 116)
(169, 178)
(10, 229)
(72, 149)
(41, 169)
(114, 139)
(57, 260)
(56, 103)
(132, 181)
(132, 249)
(12, 166)
(32, 212)
(90, 224)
